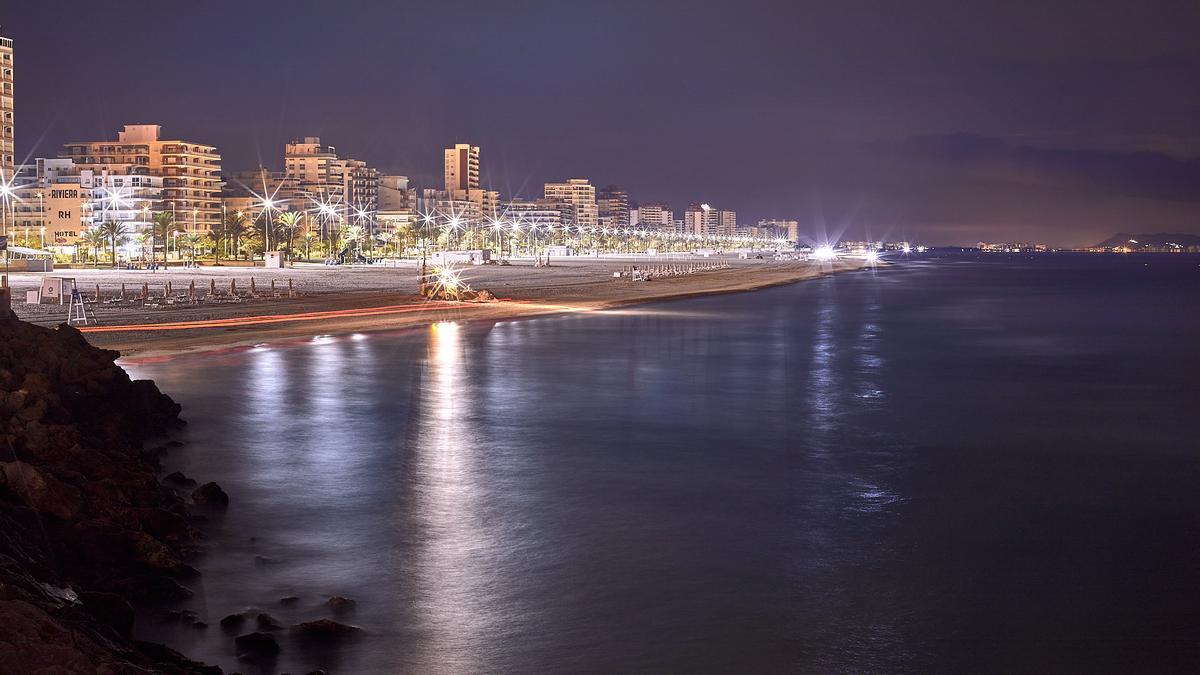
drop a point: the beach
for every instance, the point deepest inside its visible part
(308, 299)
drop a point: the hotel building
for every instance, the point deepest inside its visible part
(8, 163)
(190, 172)
(59, 201)
(580, 196)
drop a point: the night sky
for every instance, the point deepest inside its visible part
(946, 122)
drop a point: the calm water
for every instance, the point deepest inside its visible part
(984, 464)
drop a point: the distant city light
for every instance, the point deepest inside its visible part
(825, 253)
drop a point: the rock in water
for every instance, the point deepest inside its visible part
(233, 621)
(339, 604)
(256, 644)
(210, 494)
(178, 478)
(267, 622)
(325, 630)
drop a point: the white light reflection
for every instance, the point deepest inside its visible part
(454, 558)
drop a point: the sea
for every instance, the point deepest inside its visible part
(955, 463)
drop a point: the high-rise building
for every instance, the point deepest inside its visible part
(782, 229)
(313, 173)
(656, 216)
(704, 220)
(8, 164)
(540, 213)
(360, 187)
(612, 205)
(190, 171)
(580, 196)
(462, 167)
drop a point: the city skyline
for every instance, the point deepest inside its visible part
(952, 141)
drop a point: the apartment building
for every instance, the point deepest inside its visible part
(190, 172)
(612, 207)
(8, 163)
(580, 196)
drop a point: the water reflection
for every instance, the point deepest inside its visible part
(824, 380)
(450, 559)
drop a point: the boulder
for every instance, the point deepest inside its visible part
(325, 630)
(177, 478)
(340, 604)
(256, 645)
(267, 622)
(210, 494)
(233, 621)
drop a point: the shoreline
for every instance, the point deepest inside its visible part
(374, 311)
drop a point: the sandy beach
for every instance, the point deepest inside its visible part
(330, 300)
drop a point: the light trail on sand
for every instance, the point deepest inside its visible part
(235, 322)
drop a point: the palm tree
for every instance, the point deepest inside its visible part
(115, 232)
(191, 242)
(140, 239)
(289, 222)
(216, 237)
(249, 243)
(162, 224)
(352, 237)
(96, 238)
(235, 229)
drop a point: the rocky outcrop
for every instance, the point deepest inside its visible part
(85, 526)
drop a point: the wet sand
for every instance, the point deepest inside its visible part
(333, 300)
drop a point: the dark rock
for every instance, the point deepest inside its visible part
(109, 609)
(263, 560)
(82, 509)
(256, 644)
(178, 478)
(289, 600)
(174, 444)
(234, 621)
(339, 604)
(199, 625)
(267, 622)
(210, 494)
(325, 630)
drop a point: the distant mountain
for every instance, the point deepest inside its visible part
(1156, 240)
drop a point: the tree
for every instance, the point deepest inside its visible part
(162, 225)
(116, 233)
(235, 229)
(216, 237)
(289, 223)
(191, 242)
(96, 238)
